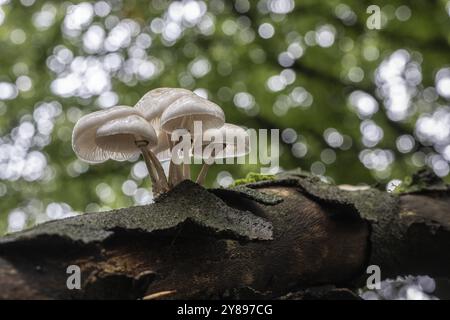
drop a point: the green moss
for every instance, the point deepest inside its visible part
(421, 181)
(253, 177)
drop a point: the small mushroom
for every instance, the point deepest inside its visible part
(84, 132)
(229, 141)
(85, 142)
(185, 111)
(151, 106)
(129, 135)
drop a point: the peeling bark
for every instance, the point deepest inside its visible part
(294, 237)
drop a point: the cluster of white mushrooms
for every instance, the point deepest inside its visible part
(153, 127)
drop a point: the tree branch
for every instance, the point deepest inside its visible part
(261, 240)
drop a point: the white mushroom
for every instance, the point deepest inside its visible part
(128, 136)
(185, 111)
(154, 102)
(229, 141)
(151, 106)
(85, 142)
(84, 132)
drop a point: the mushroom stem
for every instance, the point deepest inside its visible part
(151, 170)
(202, 174)
(172, 169)
(159, 170)
(175, 170)
(184, 169)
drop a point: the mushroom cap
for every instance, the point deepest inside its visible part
(154, 102)
(119, 136)
(183, 112)
(225, 137)
(84, 132)
(151, 106)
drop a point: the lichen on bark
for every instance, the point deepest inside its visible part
(186, 203)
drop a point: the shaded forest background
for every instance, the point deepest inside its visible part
(353, 105)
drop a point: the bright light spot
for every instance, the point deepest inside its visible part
(345, 13)
(439, 165)
(355, 74)
(172, 31)
(200, 67)
(129, 187)
(224, 179)
(443, 83)
(434, 128)
(376, 159)
(333, 138)
(108, 99)
(229, 27)
(143, 196)
(328, 156)
(276, 83)
(18, 36)
(144, 41)
(393, 184)
(16, 220)
(397, 78)
(364, 104)
(24, 83)
(27, 3)
(244, 100)
(289, 135)
(93, 39)
(296, 50)
(403, 288)
(102, 8)
(300, 97)
(371, 133)
(299, 149)
(405, 143)
(281, 6)
(2, 16)
(266, 31)
(446, 153)
(8, 91)
(139, 170)
(325, 36)
(286, 59)
(105, 193)
(44, 18)
(78, 16)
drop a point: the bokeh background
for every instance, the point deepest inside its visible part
(353, 105)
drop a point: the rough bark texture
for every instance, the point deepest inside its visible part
(294, 237)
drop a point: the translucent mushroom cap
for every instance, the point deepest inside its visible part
(119, 136)
(182, 114)
(228, 141)
(151, 106)
(154, 102)
(84, 133)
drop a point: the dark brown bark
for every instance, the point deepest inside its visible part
(272, 239)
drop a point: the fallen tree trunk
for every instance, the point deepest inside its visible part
(270, 239)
